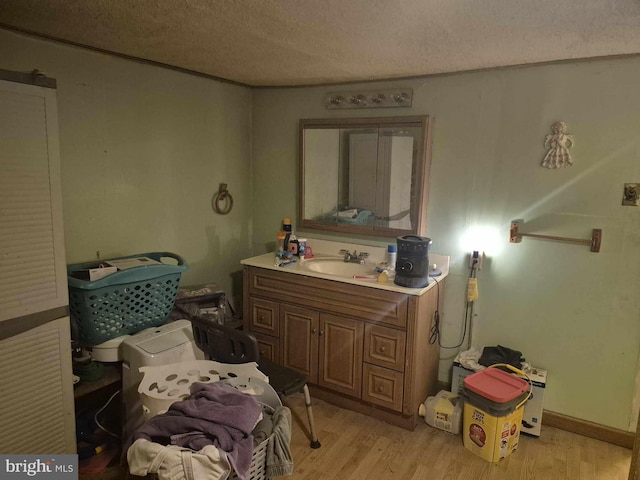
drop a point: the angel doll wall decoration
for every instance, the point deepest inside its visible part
(558, 145)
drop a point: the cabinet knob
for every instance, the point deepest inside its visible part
(381, 389)
(261, 319)
(382, 349)
(314, 330)
(321, 332)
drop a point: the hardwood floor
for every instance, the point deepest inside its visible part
(357, 447)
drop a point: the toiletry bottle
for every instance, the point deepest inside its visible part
(286, 227)
(293, 244)
(280, 241)
(302, 247)
(392, 253)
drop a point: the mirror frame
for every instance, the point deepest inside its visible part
(419, 198)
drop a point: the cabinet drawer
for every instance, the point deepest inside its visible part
(366, 303)
(384, 347)
(269, 347)
(382, 387)
(264, 317)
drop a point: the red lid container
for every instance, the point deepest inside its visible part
(496, 385)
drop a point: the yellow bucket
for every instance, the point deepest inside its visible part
(492, 435)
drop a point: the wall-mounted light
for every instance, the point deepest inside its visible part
(482, 238)
(370, 99)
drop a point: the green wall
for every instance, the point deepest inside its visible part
(573, 312)
(143, 151)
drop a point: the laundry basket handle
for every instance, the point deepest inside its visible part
(158, 256)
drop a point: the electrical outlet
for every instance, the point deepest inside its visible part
(475, 260)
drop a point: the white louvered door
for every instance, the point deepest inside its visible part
(36, 405)
(32, 258)
(36, 401)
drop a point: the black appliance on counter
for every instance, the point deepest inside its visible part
(412, 264)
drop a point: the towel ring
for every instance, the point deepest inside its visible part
(223, 195)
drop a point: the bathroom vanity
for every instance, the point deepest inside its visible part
(364, 345)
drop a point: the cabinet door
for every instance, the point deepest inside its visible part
(340, 362)
(300, 340)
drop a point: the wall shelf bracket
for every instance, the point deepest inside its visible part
(515, 236)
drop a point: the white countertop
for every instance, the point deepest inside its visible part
(328, 250)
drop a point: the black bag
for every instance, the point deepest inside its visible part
(492, 355)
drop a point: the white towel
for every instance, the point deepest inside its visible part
(176, 463)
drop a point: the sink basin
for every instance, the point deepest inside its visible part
(338, 267)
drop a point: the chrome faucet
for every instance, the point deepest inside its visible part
(354, 257)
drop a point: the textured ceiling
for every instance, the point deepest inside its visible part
(305, 42)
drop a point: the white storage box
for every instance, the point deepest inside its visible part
(532, 416)
(458, 376)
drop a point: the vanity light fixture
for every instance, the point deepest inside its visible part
(370, 99)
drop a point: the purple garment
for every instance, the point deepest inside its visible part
(215, 414)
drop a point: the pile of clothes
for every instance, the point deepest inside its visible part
(472, 359)
(212, 432)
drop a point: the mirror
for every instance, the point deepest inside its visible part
(366, 176)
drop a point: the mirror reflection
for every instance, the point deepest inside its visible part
(365, 176)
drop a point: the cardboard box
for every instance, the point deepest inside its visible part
(93, 274)
(458, 376)
(124, 263)
(532, 415)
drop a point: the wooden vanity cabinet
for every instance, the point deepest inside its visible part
(361, 348)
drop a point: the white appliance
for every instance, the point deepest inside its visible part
(169, 343)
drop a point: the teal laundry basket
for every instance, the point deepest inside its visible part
(123, 302)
